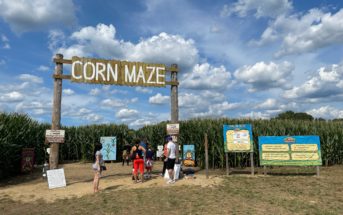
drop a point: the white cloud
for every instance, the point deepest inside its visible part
(24, 15)
(159, 99)
(126, 113)
(31, 78)
(94, 92)
(267, 8)
(11, 97)
(268, 104)
(43, 68)
(205, 76)
(101, 41)
(68, 91)
(326, 112)
(93, 117)
(113, 103)
(325, 84)
(5, 41)
(255, 115)
(143, 90)
(263, 76)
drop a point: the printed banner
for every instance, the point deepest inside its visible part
(109, 148)
(188, 155)
(27, 159)
(98, 71)
(238, 138)
(290, 150)
(173, 129)
(159, 152)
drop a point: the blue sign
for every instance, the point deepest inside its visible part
(189, 155)
(238, 138)
(109, 148)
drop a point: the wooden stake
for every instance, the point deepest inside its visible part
(206, 155)
(264, 170)
(174, 102)
(317, 171)
(56, 112)
(252, 163)
(227, 163)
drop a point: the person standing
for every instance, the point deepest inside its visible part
(137, 153)
(97, 167)
(149, 160)
(171, 157)
(165, 154)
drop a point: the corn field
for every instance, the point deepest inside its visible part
(19, 131)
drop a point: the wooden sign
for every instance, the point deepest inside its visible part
(54, 136)
(173, 129)
(56, 178)
(96, 71)
(27, 159)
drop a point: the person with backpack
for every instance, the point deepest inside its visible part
(137, 154)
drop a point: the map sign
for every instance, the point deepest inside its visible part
(109, 148)
(238, 138)
(290, 150)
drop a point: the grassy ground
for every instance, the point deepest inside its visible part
(297, 192)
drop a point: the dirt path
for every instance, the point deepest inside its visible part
(79, 178)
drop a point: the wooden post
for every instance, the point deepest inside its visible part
(206, 155)
(317, 171)
(264, 170)
(227, 163)
(174, 102)
(56, 112)
(252, 163)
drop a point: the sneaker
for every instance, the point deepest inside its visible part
(170, 182)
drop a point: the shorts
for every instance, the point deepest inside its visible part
(170, 163)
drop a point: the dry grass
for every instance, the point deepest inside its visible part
(292, 193)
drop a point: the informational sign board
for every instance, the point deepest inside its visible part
(109, 148)
(238, 138)
(188, 155)
(55, 136)
(159, 152)
(290, 150)
(56, 178)
(97, 71)
(173, 129)
(27, 159)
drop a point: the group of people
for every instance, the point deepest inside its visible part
(142, 156)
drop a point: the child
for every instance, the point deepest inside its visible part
(149, 160)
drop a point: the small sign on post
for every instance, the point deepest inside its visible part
(54, 136)
(173, 129)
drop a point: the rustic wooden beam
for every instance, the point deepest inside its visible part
(61, 76)
(63, 61)
(173, 83)
(174, 97)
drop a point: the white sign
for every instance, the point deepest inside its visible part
(55, 136)
(173, 128)
(159, 152)
(56, 178)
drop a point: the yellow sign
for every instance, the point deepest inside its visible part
(238, 140)
(304, 147)
(275, 147)
(275, 156)
(89, 70)
(305, 156)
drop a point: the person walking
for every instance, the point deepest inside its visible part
(137, 153)
(170, 160)
(97, 167)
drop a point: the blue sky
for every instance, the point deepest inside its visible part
(237, 59)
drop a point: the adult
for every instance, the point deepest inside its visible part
(165, 154)
(97, 167)
(137, 153)
(171, 157)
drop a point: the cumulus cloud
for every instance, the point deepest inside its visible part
(94, 92)
(263, 76)
(101, 41)
(126, 113)
(269, 8)
(113, 103)
(11, 97)
(24, 15)
(31, 78)
(5, 42)
(326, 83)
(268, 104)
(143, 90)
(159, 99)
(326, 112)
(205, 76)
(68, 91)
(43, 68)
(255, 115)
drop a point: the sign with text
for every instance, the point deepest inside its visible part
(290, 150)
(109, 148)
(27, 159)
(188, 155)
(56, 178)
(238, 138)
(55, 136)
(173, 128)
(159, 152)
(97, 71)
